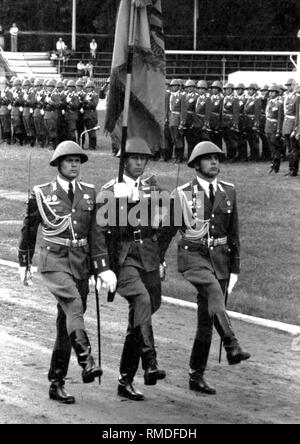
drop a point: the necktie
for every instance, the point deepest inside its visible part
(71, 192)
(211, 194)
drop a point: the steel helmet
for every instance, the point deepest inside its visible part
(26, 82)
(229, 86)
(136, 145)
(17, 82)
(90, 84)
(51, 82)
(266, 87)
(202, 84)
(240, 86)
(67, 148)
(290, 82)
(38, 82)
(175, 82)
(3, 79)
(217, 84)
(80, 82)
(274, 87)
(189, 83)
(202, 149)
(71, 83)
(60, 84)
(253, 86)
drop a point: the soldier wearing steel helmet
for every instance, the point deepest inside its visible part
(65, 209)
(252, 116)
(215, 119)
(139, 250)
(51, 106)
(38, 112)
(289, 129)
(190, 97)
(90, 103)
(5, 104)
(202, 114)
(80, 118)
(72, 102)
(264, 97)
(209, 256)
(27, 115)
(230, 121)
(62, 129)
(241, 153)
(175, 115)
(16, 111)
(273, 126)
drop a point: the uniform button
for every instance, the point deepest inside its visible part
(122, 208)
(228, 211)
(212, 215)
(89, 208)
(186, 247)
(48, 248)
(211, 248)
(73, 211)
(76, 234)
(75, 222)
(213, 227)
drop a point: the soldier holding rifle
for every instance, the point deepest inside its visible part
(65, 208)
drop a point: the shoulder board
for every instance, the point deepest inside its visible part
(89, 185)
(109, 184)
(226, 183)
(186, 185)
(44, 185)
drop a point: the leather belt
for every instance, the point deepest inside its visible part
(67, 242)
(213, 242)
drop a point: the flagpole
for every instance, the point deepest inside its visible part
(131, 41)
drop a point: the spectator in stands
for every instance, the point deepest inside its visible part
(89, 69)
(14, 37)
(60, 47)
(81, 69)
(93, 48)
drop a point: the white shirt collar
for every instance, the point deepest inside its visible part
(205, 185)
(131, 182)
(65, 184)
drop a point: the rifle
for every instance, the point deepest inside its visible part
(131, 41)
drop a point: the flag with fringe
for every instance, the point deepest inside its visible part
(147, 97)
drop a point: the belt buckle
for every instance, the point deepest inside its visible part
(137, 236)
(74, 243)
(210, 242)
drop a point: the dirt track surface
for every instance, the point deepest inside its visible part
(266, 389)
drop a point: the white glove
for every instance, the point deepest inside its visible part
(232, 281)
(122, 190)
(109, 280)
(92, 282)
(25, 275)
(162, 271)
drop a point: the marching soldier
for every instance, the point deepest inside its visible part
(289, 130)
(38, 112)
(252, 112)
(72, 102)
(65, 208)
(138, 251)
(176, 111)
(90, 103)
(5, 104)
(29, 99)
(16, 111)
(273, 127)
(51, 106)
(208, 256)
(215, 119)
(230, 121)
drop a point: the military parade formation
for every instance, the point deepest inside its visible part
(247, 122)
(46, 112)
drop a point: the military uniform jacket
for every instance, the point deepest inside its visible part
(242, 100)
(189, 109)
(252, 111)
(203, 110)
(90, 103)
(274, 116)
(5, 101)
(230, 112)
(291, 102)
(17, 102)
(215, 119)
(177, 108)
(56, 257)
(123, 240)
(51, 105)
(223, 222)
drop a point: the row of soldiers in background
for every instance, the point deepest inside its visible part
(255, 124)
(47, 112)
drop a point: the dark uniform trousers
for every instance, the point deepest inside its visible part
(65, 269)
(208, 269)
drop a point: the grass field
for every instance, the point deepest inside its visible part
(269, 284)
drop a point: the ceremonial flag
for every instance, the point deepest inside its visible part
(146, 112)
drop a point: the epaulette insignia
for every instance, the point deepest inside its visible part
(89, 185)
(227, 183)
(186, 185)
(44, 185)
(109, 184)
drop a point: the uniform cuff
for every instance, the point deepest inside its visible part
(100, 263)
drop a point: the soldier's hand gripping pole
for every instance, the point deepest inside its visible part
(226, 302)
(98, 325)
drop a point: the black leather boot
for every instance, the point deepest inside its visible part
(127, 390)
(148, 354)
(199, 384)
(82, 348)
(57, 393)
(235, 354)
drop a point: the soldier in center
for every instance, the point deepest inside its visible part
(138, 260)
